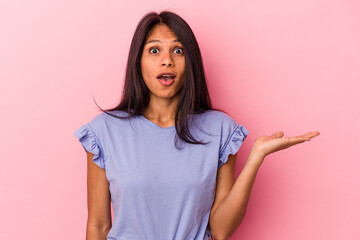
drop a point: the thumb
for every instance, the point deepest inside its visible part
(278, 134)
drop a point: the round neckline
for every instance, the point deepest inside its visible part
(154, 124)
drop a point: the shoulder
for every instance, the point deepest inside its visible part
(105, 117)
(214, 123)
(106, 120)
(216, 118)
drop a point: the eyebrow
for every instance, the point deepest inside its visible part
(156, 40)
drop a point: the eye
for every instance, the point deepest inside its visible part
(179, 50)
(151, 50)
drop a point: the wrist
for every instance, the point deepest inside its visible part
(256, 157)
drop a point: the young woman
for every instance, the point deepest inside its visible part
(164, 157)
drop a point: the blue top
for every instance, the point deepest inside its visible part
(159, 191)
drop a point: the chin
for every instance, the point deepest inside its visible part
(165, 95)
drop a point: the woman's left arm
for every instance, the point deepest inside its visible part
(231, 211)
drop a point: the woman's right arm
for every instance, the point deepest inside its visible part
(99, 202)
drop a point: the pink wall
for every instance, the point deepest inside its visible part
(273, 65)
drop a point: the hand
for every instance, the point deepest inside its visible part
(265, 145)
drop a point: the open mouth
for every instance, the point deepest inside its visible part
(166, 79)
(166, 76)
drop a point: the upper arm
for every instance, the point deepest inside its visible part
(224, 182)
(99, 200)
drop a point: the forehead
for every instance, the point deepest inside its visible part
(161, 32)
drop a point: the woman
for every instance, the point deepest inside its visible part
(162, 189)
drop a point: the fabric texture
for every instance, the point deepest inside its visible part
(159, 191)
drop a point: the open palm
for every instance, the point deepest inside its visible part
(269, 144)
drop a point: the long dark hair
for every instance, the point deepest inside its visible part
(194, 95)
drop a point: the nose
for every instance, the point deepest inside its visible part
(167, 60)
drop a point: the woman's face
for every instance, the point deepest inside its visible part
(163, 53)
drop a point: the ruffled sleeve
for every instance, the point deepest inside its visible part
(234, 139)
(91, 143)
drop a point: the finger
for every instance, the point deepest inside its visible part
(295, 140)
(278, 134)
(314, 134)
(301, 138)
(310, 135)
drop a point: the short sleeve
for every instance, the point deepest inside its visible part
(91, 143)
(232, 137)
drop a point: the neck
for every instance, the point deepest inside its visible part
(161, 109)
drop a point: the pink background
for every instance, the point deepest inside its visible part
(273, 65)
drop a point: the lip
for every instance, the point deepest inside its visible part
(166, 83)
(167, 73)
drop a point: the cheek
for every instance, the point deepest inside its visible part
(147, 74)
(183, 67)
(183, 70)
(146, 68)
